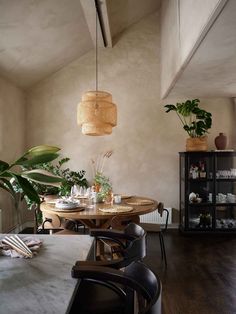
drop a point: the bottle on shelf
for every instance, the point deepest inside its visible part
(202, 172)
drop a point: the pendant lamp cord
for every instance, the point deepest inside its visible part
(96, 46)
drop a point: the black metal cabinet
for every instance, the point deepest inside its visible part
(208, 191)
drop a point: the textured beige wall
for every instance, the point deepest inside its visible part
(12, 138)
(146, 141)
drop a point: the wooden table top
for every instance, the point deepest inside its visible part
(95, 213)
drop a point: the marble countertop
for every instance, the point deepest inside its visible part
(42, 284)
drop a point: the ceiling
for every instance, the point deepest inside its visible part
(212, 70)
(37, 38)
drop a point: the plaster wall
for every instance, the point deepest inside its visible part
(184, 23)
(146, 141)
(12, 139)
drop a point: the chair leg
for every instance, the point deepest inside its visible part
(163, 247)
(95, 249)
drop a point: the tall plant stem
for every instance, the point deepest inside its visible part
(183, 122)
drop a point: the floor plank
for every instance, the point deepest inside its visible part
(201, 274)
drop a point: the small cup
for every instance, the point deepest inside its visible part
(117, 199)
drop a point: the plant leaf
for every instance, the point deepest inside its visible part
(2, 186)
(63, 160)
(42, 149)
(170, 108)
(8, 184)
(27, 189)
(3, 166)
(38, 159)
(43, 177)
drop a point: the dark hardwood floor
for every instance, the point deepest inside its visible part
(201, 274)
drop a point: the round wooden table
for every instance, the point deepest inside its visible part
(95, 218)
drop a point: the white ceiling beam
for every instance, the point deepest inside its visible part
(90, 17)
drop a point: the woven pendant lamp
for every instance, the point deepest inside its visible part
(96, 113)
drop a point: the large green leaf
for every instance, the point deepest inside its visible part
(6, 174)
(27, 189)
(8, 184)
(42, 176)
(2, 186)
(42, 149)
(3, 166)
(38, 159)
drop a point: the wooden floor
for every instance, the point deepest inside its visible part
(201, 274)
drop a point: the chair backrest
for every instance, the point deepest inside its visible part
(128, 245)
(136, 248)
(136, 277)
(134, 230)
(161, 209)
(146, 284)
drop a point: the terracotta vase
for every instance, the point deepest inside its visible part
(195, 144)
(221, 141)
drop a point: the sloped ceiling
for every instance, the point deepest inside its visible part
(212, 70)
(37, 38)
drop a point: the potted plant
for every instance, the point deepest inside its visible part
(196, 122)
(104, 184)
(68, 179)
(12, 174)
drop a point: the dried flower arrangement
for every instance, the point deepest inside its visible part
(101, 182)
(99, 162)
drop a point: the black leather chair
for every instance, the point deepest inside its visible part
(130, 245)
(137, 287)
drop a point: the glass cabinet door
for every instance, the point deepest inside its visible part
(182, 190)
(200, 217)
(225, 191)
(208, 191)
(200, 178)
(200, 191)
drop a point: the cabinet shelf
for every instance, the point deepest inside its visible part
(208, 217)
(225, 204)
(203, 204)
(200, 180)
(226, 180)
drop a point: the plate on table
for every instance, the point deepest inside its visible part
(117, 209)
(140, 202)
(67, 204)
(68, 210)
(52, 201)
(124, 197)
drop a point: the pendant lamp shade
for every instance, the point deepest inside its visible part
(96, 113)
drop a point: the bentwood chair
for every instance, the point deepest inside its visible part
(52, 224)
(104, 290)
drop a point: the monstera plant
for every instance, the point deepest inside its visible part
(12, 173)
(196, 122)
